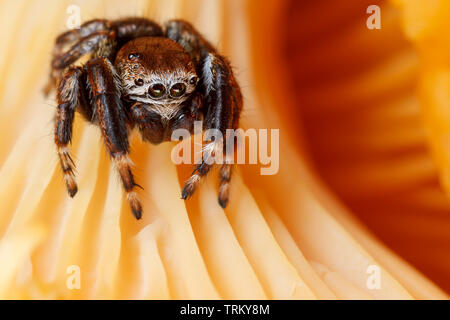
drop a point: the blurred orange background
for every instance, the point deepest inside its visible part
(355, 106)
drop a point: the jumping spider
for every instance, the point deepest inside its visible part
(138, 74)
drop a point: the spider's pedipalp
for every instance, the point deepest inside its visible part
(148, 123)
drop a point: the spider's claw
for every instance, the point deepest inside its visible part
(223, 198)
(223, 203)
(139, 186)
(224, 188)
(71, 185)
(137, 213)
(190, 186)
(186, 193)
(72, 191)
(135, 204)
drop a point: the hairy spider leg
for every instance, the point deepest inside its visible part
(226, 169)
(70, 37)
(69, 96)
(104, 84)
(99, 43)
(98, 38)
(222, 99)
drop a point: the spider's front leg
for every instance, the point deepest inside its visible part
(222, 102)
(112, 118)
(70, 94)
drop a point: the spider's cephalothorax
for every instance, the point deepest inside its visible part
(137, 74)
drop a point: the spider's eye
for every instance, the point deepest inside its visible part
(193, 80)
(139, 82)
(157, 90)
(133, 56)
(177, 90)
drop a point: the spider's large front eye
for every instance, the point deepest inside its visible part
(193, 80)
(177, 90)
(133, 56)
(157, 90)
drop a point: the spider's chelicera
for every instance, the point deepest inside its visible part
(131, 73)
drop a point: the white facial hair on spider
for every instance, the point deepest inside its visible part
(166, 106)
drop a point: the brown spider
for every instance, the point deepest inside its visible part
(139, 75)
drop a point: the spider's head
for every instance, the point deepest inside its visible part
(156, 71)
